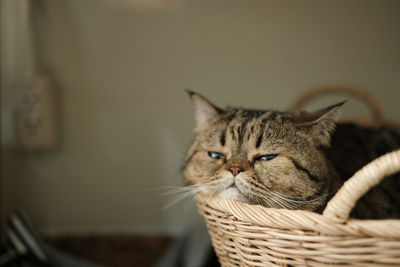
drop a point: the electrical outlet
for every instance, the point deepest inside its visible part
(35, 118)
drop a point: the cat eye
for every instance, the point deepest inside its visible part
(215, 155)
(266, 157)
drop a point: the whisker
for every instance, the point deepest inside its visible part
(184, 192)
(296, 199)
(292, 200)
(178, 190)
(182, 197)
(189, 204)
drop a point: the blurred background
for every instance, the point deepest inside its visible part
(95, 121)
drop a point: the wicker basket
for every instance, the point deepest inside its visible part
(252, 235)
(376, 115)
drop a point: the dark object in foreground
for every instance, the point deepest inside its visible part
(24, 247)
(23, 243)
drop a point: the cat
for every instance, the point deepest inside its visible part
(286, 159)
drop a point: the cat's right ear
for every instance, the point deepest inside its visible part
(320, 124)
(204, 110)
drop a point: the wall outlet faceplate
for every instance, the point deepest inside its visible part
(35, 118)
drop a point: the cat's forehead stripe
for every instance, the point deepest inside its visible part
(237, 126)
(222, 137)
(260, 137)
(243, 128)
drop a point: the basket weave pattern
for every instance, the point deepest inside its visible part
(252, 235)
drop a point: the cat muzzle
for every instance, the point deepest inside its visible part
(237, 165)
(235, 170)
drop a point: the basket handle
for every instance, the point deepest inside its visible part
(340, 206)
(356, 92)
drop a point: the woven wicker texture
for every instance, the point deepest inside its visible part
(252, 235)
(355, 92)
(376, 114)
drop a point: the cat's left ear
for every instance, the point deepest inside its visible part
(320, 124)
(204, 110)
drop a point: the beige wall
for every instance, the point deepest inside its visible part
(125, 119)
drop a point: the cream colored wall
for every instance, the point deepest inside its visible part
(125, 119)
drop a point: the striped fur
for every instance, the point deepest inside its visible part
(276, 155)
(291, 160)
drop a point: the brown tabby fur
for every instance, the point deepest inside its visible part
(303, 167)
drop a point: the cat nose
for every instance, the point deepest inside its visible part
(237, 165)
(235, 170)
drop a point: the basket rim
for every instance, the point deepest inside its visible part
(304, 220)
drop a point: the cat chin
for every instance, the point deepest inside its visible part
(233, 193)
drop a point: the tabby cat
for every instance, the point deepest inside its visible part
(291, 160)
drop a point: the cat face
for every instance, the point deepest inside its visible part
(261, 157)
